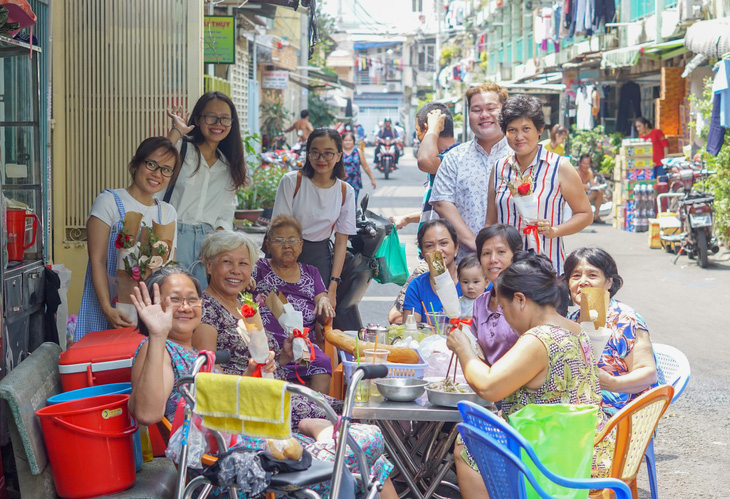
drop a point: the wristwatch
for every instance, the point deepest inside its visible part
(336, 279)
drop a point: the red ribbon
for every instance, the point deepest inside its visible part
(257, 372)
(458, 322)
(533, 229)
(305, 336)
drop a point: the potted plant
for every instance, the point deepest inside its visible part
(260, 193)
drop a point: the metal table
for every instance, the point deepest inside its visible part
(421, 435)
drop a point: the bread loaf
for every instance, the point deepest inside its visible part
(596, 299)
(398, 355)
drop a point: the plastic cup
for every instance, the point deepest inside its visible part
(375, 357)
(381, 337)
(362, 393)
(439, 321)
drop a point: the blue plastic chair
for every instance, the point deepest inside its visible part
(496, 447)
(672, 369)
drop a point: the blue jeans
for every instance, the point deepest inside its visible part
(189, 241)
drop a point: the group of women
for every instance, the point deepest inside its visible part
(196, 305)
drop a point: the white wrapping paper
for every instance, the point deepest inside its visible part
(527, 207)
(446, 291)
(259, 349)
(289, 321)
(599, 337)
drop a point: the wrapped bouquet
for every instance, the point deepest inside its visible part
(523, 195)
(253, 334)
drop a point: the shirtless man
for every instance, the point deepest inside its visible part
(302, 125)
(586, 177)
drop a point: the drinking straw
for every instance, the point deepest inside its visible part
(357, 351)
(375, 350)
(438, 330)
(428, 319)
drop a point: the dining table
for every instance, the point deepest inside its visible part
(419, 438)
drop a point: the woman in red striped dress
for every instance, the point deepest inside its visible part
(529, 188)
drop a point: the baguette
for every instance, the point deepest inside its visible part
(594, 299)
(398, 355)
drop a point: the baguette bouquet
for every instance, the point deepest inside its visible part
(251, 329)
(446, 291)
(292, 322)
(593, 313)
(526, 202)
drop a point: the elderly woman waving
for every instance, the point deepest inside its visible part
(303, 288)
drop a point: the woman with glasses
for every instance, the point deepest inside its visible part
(213, 168)
(323, 204)
(303, 287)
(151, 168)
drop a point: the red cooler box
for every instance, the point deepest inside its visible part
(99, 358)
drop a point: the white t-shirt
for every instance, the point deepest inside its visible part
(316, 209)
(207, 196)
(105, 209)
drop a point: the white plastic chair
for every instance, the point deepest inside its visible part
(672, 369)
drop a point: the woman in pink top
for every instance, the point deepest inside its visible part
(659, 143)
(496, 245)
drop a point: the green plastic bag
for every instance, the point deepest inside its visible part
(562, 436)
(391, 260)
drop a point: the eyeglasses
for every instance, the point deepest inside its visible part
(280, 241)
(192, 302)
(329, 156)
(211, 119)
(152, 166)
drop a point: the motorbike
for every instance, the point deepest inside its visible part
(360, 266)
(388, 155)
(296, 157)
(695, 210)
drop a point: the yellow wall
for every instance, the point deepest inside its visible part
(116, 67)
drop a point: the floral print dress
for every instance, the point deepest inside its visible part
(352, 170)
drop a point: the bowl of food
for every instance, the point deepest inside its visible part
(401, 389)
(448, 394)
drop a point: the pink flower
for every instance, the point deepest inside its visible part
(136, 273)
(155, 263)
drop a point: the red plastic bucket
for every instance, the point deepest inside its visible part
(89, 445)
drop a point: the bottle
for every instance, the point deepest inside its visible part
(411, 330)
(144, 434)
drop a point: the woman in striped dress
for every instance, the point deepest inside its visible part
(532, 170)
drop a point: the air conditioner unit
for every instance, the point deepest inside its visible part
(392, 87)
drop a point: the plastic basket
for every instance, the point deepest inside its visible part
(394, 370)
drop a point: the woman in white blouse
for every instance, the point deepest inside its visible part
(213, 168)
(323, 204)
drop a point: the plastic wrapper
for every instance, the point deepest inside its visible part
(292, 320)
(527, 207)
(289, 448)
(240, 468)
(197, 445)
(446, 291)
(259, 348)
(598, 336)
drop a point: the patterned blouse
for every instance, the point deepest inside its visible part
(624, 322)
(572, 376)
(216, 315)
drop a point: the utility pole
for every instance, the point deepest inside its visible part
(437, 55)
(658, 11)
(304, 61)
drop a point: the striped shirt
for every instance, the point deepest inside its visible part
(551, 204)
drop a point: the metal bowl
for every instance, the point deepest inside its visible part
(401, 389)
(451, 399)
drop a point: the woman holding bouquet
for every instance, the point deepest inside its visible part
(151, 168)
(530, 188)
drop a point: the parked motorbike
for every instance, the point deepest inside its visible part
(388, 155)
(296, 157)
(360, 266)
(696, 212)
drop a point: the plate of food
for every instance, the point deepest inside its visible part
(446, 393)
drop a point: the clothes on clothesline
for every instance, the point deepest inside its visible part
(583, 108)
(629, 100)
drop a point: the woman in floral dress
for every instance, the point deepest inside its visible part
(551, 363)
(354, 159)
(168, 319)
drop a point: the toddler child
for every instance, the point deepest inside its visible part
(472, 282)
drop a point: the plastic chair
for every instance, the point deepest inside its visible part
(634, 427)
(497, 447)
(672, 369)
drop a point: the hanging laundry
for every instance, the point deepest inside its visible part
(716, 136)
(604, 12)
(584, 17)
(629, 100)
(595, 102)
(721, 87)
(583, 116)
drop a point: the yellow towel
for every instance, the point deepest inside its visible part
(257, 407)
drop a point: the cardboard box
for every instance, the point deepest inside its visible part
(637, 150)
(640, 174)
(636, 162)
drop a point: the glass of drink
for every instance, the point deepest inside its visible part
(375, 357)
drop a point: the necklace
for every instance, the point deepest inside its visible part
(143, 208)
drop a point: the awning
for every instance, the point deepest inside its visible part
(373, 45)
(711, 38)
(629, 56)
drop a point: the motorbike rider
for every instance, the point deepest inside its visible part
(387, 132)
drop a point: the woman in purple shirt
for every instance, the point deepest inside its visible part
(496, 245)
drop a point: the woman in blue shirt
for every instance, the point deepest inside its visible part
(434, 235)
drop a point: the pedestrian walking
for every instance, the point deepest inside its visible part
(213, 168)
(354, 160)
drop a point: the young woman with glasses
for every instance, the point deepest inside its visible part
(151, 168)
(323, 204)
(213, 168)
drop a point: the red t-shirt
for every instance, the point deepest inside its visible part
(658, 142)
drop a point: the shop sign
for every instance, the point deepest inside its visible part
(278, 80)
(219, 38)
